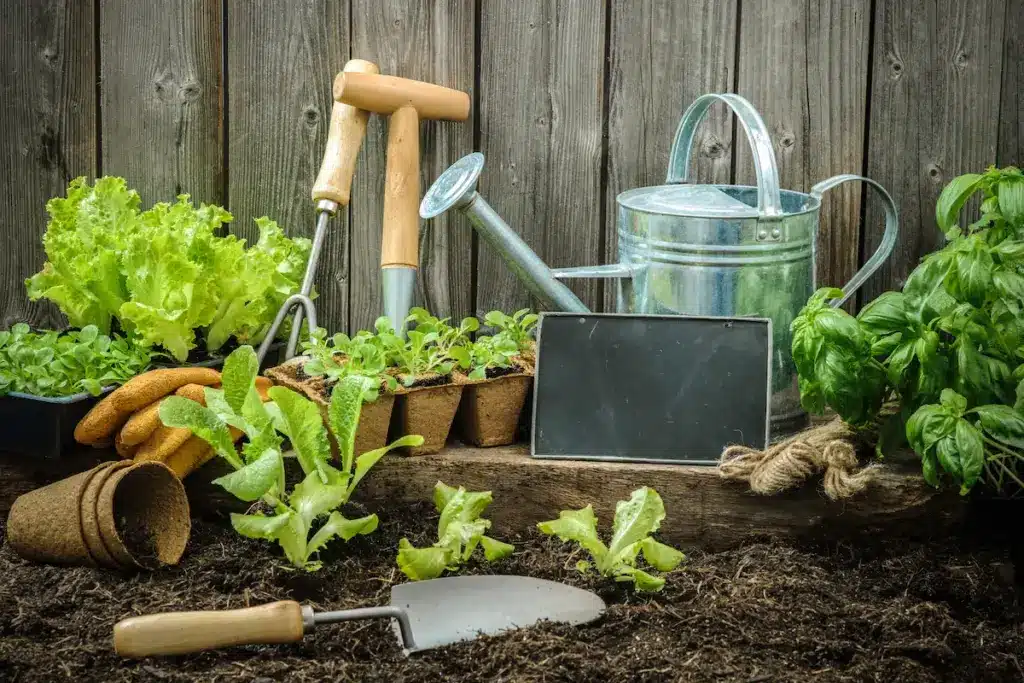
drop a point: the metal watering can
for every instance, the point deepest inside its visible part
(687, 249)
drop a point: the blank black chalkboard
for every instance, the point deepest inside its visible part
(650, 388)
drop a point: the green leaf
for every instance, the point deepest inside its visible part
(1003, 424)
(420, 564)
(347, 529)
(343, 415)
(178, 411)
(259, 526)
(953, 402)
(312, 497)
(1011, 200)
(662, 557)
(1008, 284)
(579, 526)
(972, 454)
(949, 457)
(952, 199)
(494, 549)
(305, 428)
(252, 481)
(929, 424)
(292, 539)
(974, 272)
(442, 495)
(366, 461)
(239, 376)
(885, 315)
(635, 519)
(929, 469)
(641, 579)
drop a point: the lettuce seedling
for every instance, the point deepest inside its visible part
(65, 363)
(486, 353)
(635, 520)
(459, 532)
(305, 518)
(363, 356)
(428, 347)
(519, 327)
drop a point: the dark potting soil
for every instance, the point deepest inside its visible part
(139, 541)
(894, 612)
(430, 381)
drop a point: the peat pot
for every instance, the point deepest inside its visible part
(690, 249)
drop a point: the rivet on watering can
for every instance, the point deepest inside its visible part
(776, 233)
(762, 235)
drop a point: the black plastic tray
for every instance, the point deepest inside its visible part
(42, 427)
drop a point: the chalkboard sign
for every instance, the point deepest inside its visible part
(650, 388)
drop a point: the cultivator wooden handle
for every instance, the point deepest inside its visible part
(177, 633)
(344, 138)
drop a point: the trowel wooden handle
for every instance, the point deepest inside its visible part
(400, 241)
(176, 633)
(344, 138)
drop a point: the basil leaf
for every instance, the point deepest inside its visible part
(1003, 424)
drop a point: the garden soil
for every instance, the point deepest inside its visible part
(888, 611)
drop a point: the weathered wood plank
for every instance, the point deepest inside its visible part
(1011, 113)
(702, 508)
(282, 59)
(935, 81)
(434, 42)
(47, 134)
(664, 54)
(160, 97)
(804, 66)
(541, 110)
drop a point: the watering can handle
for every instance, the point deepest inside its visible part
(769, 205)
(892, 223)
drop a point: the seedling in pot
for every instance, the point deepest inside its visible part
(55, 364)
(519, 327)
(459, 532)
(428, 350)
(362, 356)
(635, 520)
(305, 518)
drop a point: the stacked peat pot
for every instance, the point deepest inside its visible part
(425, 384)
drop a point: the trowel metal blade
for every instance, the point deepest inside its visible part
(399, 286)
(459, 608)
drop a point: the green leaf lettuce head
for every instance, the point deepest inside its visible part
(57, 364)
(305, 518)
(460, 531)
(165, 274)
(635, 520)
(949, 347)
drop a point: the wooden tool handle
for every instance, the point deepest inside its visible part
(344, 138)
(387, 94)
(176, 633)
(400, 241)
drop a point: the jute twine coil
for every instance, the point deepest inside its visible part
(830, 447)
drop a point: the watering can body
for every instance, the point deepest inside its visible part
(689, 249)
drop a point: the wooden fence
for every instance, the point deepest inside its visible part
(573, 101)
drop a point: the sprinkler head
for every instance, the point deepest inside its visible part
(453, 188)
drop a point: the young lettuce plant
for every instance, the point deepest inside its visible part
(635, 520)
(363, 356)
(486, 353)
(305, 518)
(459, 532)
(428, 348)
(519, 327)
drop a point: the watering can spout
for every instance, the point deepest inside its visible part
(456, 189)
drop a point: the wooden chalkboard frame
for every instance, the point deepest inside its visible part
(536, 449)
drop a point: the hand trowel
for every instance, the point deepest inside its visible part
(426, 614)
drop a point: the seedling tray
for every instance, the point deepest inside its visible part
(40, 426)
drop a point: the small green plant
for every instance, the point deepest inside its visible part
(65, 363)
(363, 356)
(486, 353)
(519, 327)
(635, 520)
(459, 532)
(428, 348)
(311, 506)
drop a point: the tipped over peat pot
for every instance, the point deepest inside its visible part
(117, 515)
(427, 408)
(374, 417)
(43, 426)
(490, 409)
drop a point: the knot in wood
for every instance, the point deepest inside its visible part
(190, 91)
(787, 140)
(960, 61)
(310, 115)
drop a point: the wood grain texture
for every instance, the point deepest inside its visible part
(804, 66)
(541, 128)
(934, 86)
(1011, 113)
(664, 54)
(433, 42)
(47, 134)
(282, 59)
(702, 508)
(160, 97)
